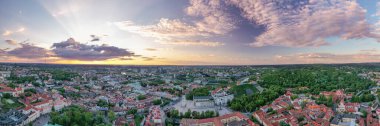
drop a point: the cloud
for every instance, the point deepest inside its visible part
(165, 28)
(126, 58)
(327, 58)
(94, 38)
(29, 51)
(11, 42)
(187, 42)
(369, 50)
(147, 58)
(211, 20)
(151, 49)
(71, 49)
(97, 37)
(215, 18)
(300, 23)
(377, 15)
(3, 52)
(173, 32)
(9, 32)
(22, 29)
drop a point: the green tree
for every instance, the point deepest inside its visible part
(141, 97)
(111, 116)
(157, 101)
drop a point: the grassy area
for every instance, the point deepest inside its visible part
(239, 90)
(9, 104)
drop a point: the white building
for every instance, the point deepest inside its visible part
(203, 101)
(222, 100)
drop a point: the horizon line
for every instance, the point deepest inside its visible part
(193, 64)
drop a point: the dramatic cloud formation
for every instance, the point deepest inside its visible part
(168, 31)
(29, 51)
(291, 23)
(298, 23)
(215, 18)
(71, 49)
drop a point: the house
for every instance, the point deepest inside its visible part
(233, 119)
(59, 101)
(15, 92)
(121, 121)
(155, 117)
(32, 112)
(348, 107)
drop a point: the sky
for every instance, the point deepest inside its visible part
(189, 32)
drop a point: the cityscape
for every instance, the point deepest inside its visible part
(49, 94)
(189, 63)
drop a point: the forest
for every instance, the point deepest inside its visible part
(305, 79)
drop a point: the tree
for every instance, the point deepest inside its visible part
(77, 87)
(11, 85)
(36, 84)
(61, 90)
(364, 113)
(102, 103)
(187, 114)
(294, 97)
(75, 115)
(157, 101)
(132, 111)
(174, 113)
(141, 97)
(203, 91)
(253, 119)
(282, 123)
(111, 116)
(7, 95)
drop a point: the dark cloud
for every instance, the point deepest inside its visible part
(71, 49)
(28, 51)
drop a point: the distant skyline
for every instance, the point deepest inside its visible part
(189, 32)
